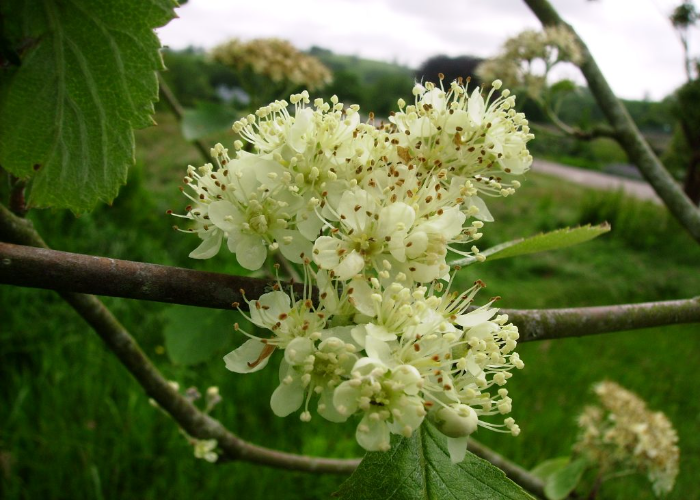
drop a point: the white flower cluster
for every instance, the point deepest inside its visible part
(526, 59)
(626, 435)
(371, 213)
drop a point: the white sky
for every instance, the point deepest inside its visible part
(632, 40)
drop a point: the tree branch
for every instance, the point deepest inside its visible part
(542, 324)
(626, 132)
(516, 473)
(69, 272)
(595, 132)
(192, 420)
(195, 422)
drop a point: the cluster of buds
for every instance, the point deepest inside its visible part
(275, 59)
(370, 213)
(625, 435)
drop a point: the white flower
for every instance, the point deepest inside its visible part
(371, 213)
(205, 449)
(388, 400)
(232, 203)
(467, 136)
(287, 320)
(313, 367)
(407, 233)
(624, 434)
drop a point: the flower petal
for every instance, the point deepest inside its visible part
(483, 214)
(251, 252)
(373, 435)
(345, 399)
(457, 448)
(265, 311)
(475, 317)
(241, 359)
(298, 350)
(225, 216)
(327, 409)
(362, 297)
(209, 247)
(288, 397)
(350, 266)
(293, 245)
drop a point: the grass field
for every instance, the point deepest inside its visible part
(74, 424)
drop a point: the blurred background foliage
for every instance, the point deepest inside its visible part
(196, 78)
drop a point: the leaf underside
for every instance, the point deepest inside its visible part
(86, 80)
(419, 468)
(554, 240)
(194, 335)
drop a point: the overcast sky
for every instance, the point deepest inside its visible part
(632, 40)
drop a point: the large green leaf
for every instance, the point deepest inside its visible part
(194, 335)
(561, 238)
(87, 79)
(207, 118)
(419, 468)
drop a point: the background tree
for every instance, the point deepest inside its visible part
(452, 67)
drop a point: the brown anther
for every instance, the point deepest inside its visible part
(264, 354)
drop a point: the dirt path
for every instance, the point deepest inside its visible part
(598, 180)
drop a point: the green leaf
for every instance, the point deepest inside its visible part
(564, 481)
(207, 118)
(87, 79)
(554, 240)
(545, 469)
(419, 468)
(194, 335)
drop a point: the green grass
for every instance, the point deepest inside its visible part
(74, 424)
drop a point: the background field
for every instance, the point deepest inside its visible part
(73, 424)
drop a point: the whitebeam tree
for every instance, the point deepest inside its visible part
(373, 222)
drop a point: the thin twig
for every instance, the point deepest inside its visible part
(595, 132)
(626, 132)
(195, 422)
(69, 272)
(516, 473)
